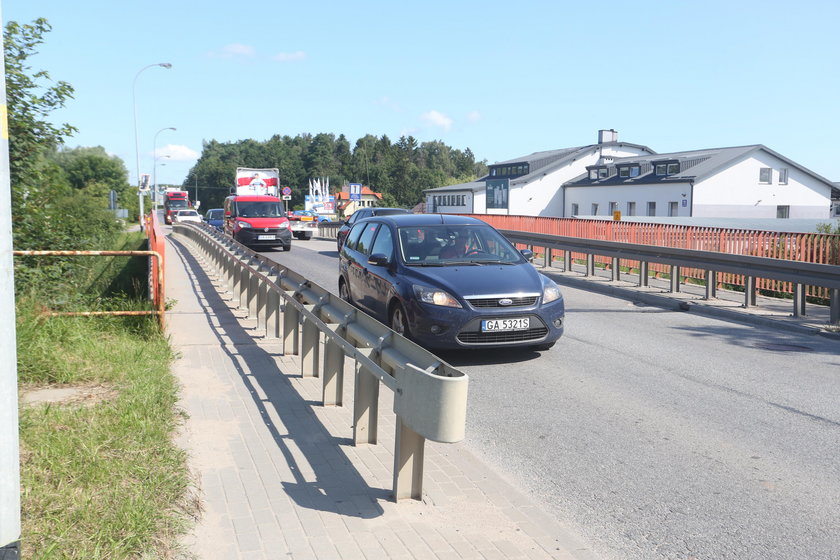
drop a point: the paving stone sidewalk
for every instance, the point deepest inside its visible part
(279, 476)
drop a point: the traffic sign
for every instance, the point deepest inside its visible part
(355, 191)
(286, 192)
(287, 196)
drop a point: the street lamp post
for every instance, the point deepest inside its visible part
(154, 165)
(154, 178)
(166, 65)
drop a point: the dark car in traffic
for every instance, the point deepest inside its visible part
(361, 214)
(449, 281)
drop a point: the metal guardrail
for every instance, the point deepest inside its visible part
(328, 229)
(430, 396)
(801, 274)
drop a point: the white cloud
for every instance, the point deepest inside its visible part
(289, 57)
(473, 116)
(177, 153)
(235, 50)
(438, 119)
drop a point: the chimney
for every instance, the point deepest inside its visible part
(605, 136)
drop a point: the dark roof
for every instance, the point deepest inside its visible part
(539, 164)
(695, 165)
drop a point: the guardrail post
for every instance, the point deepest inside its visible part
(408, 463)
(643, 273)
(834, 313)
(291, 318)
(711, 284)
(236, 281)
(616, 269)
(332, 389)
(548, 259)
(590, 264)
(675, 278)
(310, 346)
(253, 288)
(365, 404)
(749, 291)
(567, 261)
(261, 307)
(798, 300)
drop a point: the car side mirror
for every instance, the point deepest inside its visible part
(528, 254)
(378, 259)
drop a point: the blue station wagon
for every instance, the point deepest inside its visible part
(449, 282)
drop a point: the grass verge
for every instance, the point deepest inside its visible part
(101, 479)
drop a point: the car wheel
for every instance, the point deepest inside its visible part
(288, 247)
(344, 291)
(398, 321)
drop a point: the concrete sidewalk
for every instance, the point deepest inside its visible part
(279, 477)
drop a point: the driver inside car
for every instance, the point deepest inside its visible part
(457, 248)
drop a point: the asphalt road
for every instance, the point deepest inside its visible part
(659, 434)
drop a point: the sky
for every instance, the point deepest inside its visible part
(502, 79)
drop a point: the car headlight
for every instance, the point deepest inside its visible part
(435, 296)
(243, 225)
(551, 291)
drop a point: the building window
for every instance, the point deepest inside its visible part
(661, 169)
(651, 209)
(602, 173)
(593, 174)
(594, 208)
(631, 208)
(613, 207)
(575, 210)
(673, 208)
(765, 175)
(623, 171)
(493, 172)
(673, 168)
(783, 176)
(635, 171)
(783, 212)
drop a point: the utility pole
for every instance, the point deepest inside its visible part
(9, 440)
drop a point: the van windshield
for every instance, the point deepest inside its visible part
(259, 209)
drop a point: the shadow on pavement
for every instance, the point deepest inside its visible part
(338, 487)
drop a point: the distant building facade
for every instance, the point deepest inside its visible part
(611, 176)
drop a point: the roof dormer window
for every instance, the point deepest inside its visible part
(667, 168)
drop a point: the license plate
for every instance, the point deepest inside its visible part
(265, 237)
(505, 324)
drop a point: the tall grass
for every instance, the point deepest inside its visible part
(100, 479)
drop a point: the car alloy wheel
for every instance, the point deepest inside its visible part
(344, 292)
(398, 321)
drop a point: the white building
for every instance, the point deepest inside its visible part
(530, 185)
(600, 179)
(742, 182)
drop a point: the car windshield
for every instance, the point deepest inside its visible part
(442, 245)
(259, 209)
(177, 203)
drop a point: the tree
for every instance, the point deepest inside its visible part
(93, 171)
(31, 135)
